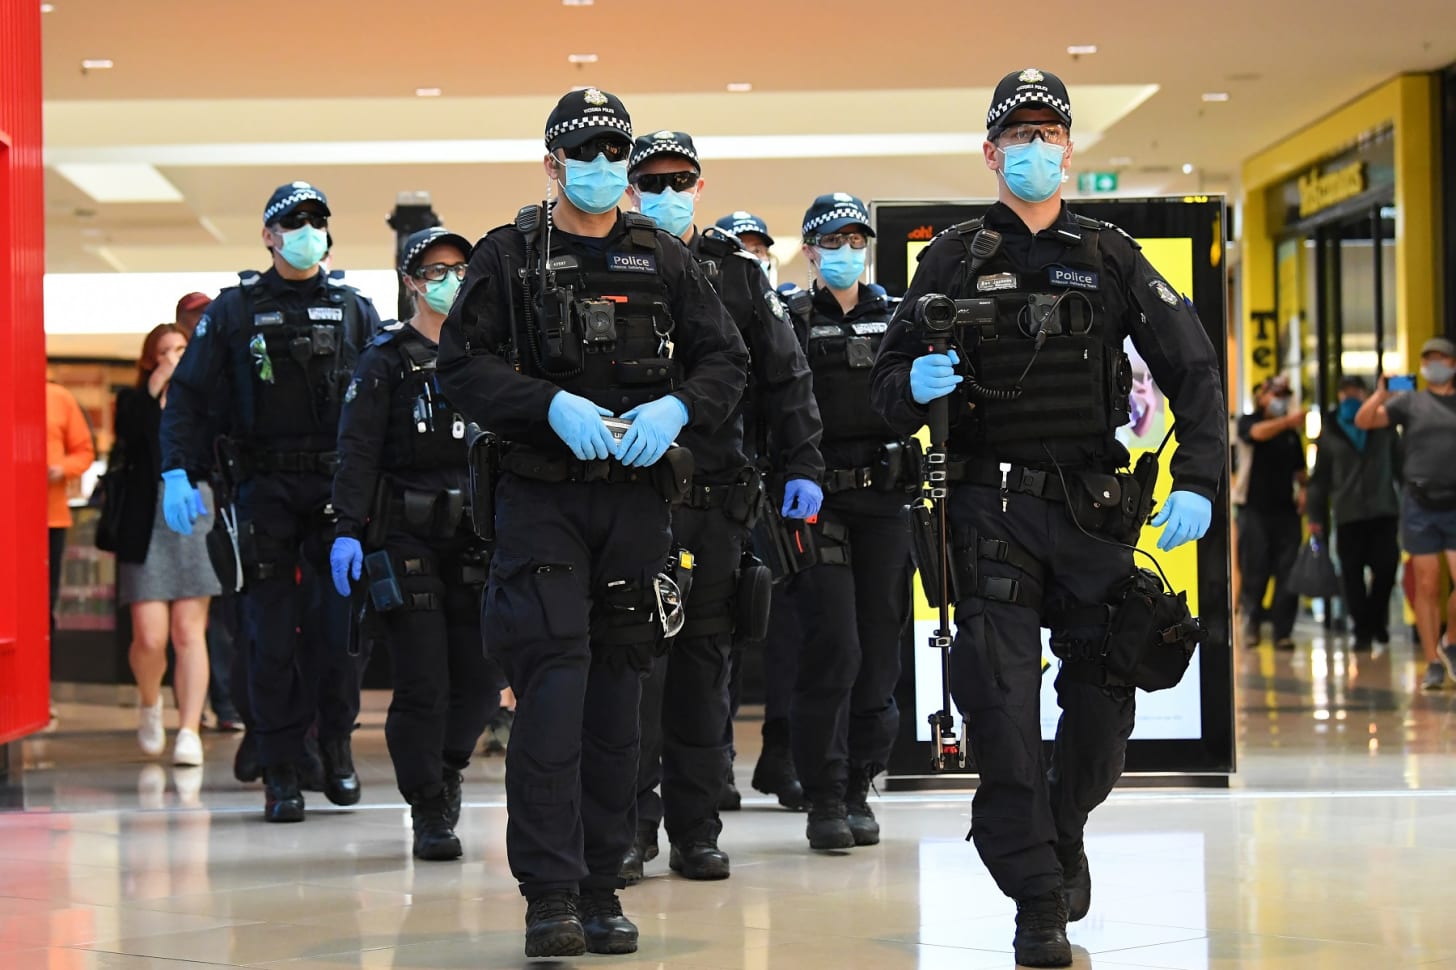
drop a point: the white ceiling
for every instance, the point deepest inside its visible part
(228, 100)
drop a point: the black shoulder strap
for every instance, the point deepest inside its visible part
(416, 353)
(642, 229)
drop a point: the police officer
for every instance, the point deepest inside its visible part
(573, 314)
(1038, 387)
(401, 488)
(854, 604)
(774, 773)
(686, 704)
(274, 354)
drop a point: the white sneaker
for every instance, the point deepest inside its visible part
(187, 749)
(150, 733)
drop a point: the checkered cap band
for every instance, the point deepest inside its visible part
(586, 122)
(286, 203)
(428, 238)
(852, 212)
(1002, 108)
(670, 147)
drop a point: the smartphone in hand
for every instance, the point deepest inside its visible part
(1396, 383)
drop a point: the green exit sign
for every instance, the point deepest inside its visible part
(1090, 182)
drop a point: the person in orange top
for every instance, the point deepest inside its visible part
(70, 450)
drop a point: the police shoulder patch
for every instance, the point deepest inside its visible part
(776, 306)
(1164, 291)
(352, 392)
(201, 330)
(631, 263)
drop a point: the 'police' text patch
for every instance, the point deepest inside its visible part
(631, 263)
(1079, 278)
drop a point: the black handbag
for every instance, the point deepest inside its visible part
(110, 497)
(1314, 573)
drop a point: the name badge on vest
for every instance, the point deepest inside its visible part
(1077, 278)
(631, 263)
(996, 282)
(868, 328)
(333, 313)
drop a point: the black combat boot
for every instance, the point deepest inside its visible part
(341, 782)
(245, 761)
(828, 826)
(606, 929)
(643, 851)
(1076, 884)
(553, 928)
(775, 775)
(860, 817)
(701, 859)
(452, 779)
(1041, 931)
(435, 839)
(283, 802)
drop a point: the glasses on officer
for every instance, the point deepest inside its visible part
(834, 240)
(657, 182)
(1052, 133)
(434, 272)
(616, 149)
(297, 218)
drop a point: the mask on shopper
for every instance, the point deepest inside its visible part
(1277, 407)
(1437, 372)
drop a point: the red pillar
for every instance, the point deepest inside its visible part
(24, 583)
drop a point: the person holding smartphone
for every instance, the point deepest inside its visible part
(1427, 420)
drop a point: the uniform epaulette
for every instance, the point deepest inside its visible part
(1120, 231)
(387, 333)
(642, 229)
(249, 277)
(967, 228)
(1087, 222)
(716, 244)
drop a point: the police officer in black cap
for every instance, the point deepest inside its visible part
(275, 354)
(1038, 385)
(854, 604)
(574, 314)
(401, 490)
(685, 704)
(752, 234)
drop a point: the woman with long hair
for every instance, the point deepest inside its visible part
(165, 578)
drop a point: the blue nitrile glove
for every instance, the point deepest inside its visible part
(933, 376)
(802, 499)
(1187, 516)
(346, 559)
(578, 422)
(181, 503)
(654, 425)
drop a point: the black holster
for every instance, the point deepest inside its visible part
(785, 546)
(483, 470)
(754, 598)
(1150, 638)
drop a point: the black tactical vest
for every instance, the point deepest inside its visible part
(606, 331)
(841, 353)
(1077, 386)
(424, 431)
(299, 359)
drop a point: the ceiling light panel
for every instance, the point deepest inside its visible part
(120, 182)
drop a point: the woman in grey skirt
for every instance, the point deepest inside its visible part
(166, 578)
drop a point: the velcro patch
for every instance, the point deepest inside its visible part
(631, 263)
(996, 282)
(864, 328)
(1081, 279)
(326, 313)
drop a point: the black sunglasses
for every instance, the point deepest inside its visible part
(677, 181)
(616, 149)
(295, 220)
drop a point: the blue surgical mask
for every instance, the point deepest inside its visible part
(1437, 372)
(1033, 171)
(1348, 408)
(595, 186)
(304, 247)
(841, 267)
(440, 294)
(670, 209)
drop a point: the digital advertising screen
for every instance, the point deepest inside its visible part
(1186, 729)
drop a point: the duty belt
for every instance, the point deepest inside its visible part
(1037, 482)
(708, 496)
(542, 468)
(308, 462)
(848, 479)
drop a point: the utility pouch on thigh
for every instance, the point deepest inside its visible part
(262, 557)
(385, 593)
(624, 624)
(928, 551)
(889, 473)
(1151, 635)
(754, 598)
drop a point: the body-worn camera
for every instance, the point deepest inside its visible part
(597, 320)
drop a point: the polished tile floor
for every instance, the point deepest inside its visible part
(1335, 848)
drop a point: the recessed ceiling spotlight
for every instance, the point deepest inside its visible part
(1215, 95)
(1076, 49)
(97, 64)
(1187, 168)
(581, 58)
(1120, 161)
(427, 92)
(47, 8)
(739, 87)
(578, 3)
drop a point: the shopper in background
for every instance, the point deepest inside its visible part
(190, 310)
(70, 450)
(165, 577)
(1427, 420)
(1354, 483)
(1269, 494)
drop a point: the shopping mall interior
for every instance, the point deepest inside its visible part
(1289, 169)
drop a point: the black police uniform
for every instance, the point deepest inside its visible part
(570, 611)
(853, 606)
(685, 702)
(401, 488)
(280, 353)
(1012, 464)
